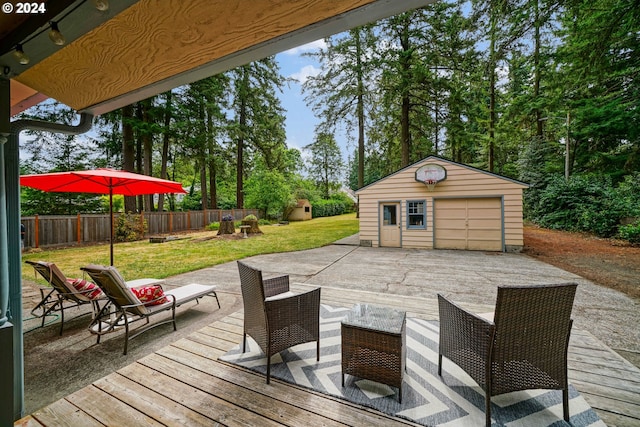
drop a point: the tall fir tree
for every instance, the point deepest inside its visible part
(325, 164)
(257, 125)
(341, 94)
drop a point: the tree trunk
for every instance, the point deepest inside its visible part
(492, 91)
(147, 144)
(492, 117)
(226, 227)
(140, 203)
(128, 152)
(211, 162)
(165, 147)
(243, 123)
(436, 123)
(405, 63)
(202, 154)
(537, 72)
(360, 110)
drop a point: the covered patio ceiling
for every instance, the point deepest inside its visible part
(136, 49)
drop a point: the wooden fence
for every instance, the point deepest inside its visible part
(43, 231)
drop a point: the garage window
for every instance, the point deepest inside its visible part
(416, 214)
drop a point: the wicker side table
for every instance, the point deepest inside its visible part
(373, 345)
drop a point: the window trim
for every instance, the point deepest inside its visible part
(424, 215)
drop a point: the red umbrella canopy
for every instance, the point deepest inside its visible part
(101, 181)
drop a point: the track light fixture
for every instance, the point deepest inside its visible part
(55, 35)
(101, 5)
(20, 56)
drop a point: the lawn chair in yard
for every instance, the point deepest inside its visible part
(524, 347)
(275, 317)
(128, 305)
(64, 293)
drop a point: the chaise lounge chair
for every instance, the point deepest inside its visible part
(125, 308)
(63, 295)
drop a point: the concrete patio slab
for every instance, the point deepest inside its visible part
(466, 276)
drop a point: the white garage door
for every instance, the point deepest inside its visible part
(473, 224)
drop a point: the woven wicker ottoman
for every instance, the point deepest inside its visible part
(373, 345)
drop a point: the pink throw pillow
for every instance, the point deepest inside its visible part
(150, 293)
(88, 289)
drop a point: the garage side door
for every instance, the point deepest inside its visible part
(473, 224)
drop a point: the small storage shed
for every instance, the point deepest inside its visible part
(301, 212)
(440, 204)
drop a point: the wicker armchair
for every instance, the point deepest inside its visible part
(525, 347)
(275, 317)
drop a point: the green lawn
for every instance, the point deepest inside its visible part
(198, 250)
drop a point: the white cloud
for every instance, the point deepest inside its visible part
(318, 44)
(305, 72)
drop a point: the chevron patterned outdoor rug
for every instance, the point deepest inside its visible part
(428, 399)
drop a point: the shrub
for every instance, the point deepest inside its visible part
(192, 201)
(251, 217)
(328, 208)
(630, 232)
(338, 204)
(349, 204)
(129, 228)
(588, 203)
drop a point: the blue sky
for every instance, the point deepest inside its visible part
(300, 121)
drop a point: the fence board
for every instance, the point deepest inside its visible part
(62, 230)
(95, 228)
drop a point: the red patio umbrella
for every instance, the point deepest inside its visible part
(101, 181)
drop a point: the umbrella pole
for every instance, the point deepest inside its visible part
(111, 223)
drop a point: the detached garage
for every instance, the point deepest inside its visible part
(437, 203)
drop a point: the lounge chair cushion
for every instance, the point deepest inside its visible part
(88, 289)
(150, 295)
(190, 292)
(280, 296)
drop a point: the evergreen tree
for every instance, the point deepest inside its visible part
(257, 127)
(44, 152)
(325, 163)
(427, 90)
(341, 94)
(597, 82)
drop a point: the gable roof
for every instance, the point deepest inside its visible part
(426, 159)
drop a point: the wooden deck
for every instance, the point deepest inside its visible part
(185, 384)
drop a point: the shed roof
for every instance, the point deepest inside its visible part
(426, 159)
